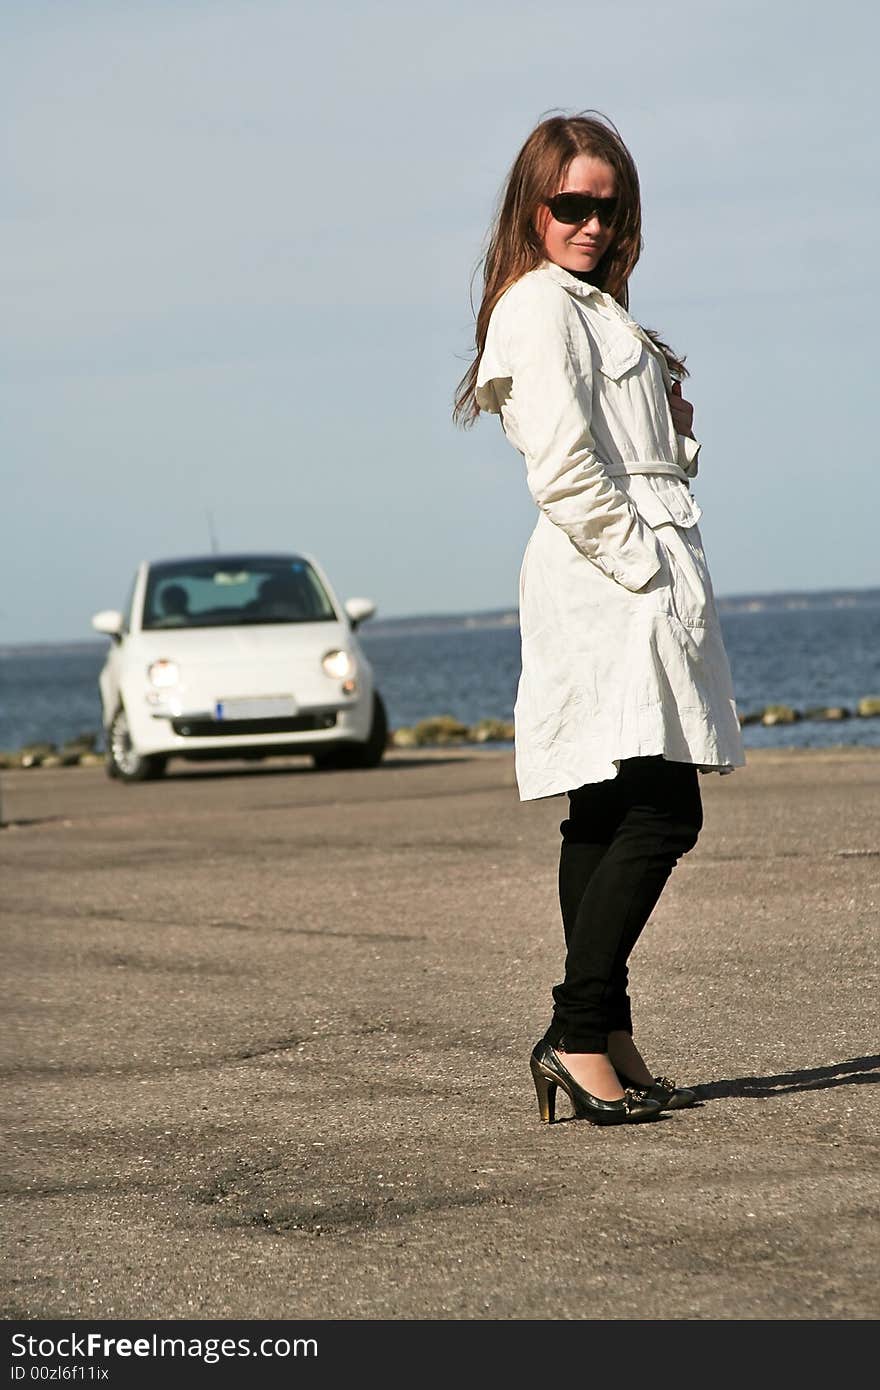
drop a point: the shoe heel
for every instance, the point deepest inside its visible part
(546, 1090)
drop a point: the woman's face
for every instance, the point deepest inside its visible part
(579, 247)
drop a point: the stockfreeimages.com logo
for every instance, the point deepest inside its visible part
(91, 1345)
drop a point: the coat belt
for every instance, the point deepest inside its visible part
(662, 466)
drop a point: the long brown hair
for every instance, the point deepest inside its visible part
(515, 246)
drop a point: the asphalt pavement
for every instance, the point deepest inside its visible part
(267, 1037)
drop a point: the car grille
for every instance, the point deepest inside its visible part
(230, 728)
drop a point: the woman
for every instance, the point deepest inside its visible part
(625, 693)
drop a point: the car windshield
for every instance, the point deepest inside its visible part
(223, 592)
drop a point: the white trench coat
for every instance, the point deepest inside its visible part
(622, 654)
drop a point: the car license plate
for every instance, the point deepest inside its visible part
(256, 707)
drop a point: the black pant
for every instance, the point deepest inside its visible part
(620, 843)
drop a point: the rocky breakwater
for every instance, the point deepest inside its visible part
(76, 752)
(440, 730)
(445, 729)
(867, 708)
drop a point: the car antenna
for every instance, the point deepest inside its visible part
(213, 538)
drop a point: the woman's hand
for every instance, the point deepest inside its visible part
(682, 411)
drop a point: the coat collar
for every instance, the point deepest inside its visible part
(625, 328)
(581, 288)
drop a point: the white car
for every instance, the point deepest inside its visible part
(237, 656)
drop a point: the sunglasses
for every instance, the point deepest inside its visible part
(572, 208)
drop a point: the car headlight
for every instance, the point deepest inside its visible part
(338, 664)
(163, 673)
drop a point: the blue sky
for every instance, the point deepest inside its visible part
(240, 238)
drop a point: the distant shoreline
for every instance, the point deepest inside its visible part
(441, 753)
(790, 601)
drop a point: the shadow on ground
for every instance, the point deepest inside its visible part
(858, 1071)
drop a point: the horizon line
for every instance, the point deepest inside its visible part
(750, 596)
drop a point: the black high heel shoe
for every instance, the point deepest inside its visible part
(662, 1090)
(548, 1073)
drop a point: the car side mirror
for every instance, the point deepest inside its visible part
(110, 622)
(359, 609)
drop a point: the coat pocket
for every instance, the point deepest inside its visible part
(684, 581)
(614, 347)
(618, 354)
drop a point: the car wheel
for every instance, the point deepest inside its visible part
(371, 753)
(123, 759)
(368, 754)
(109, 765)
